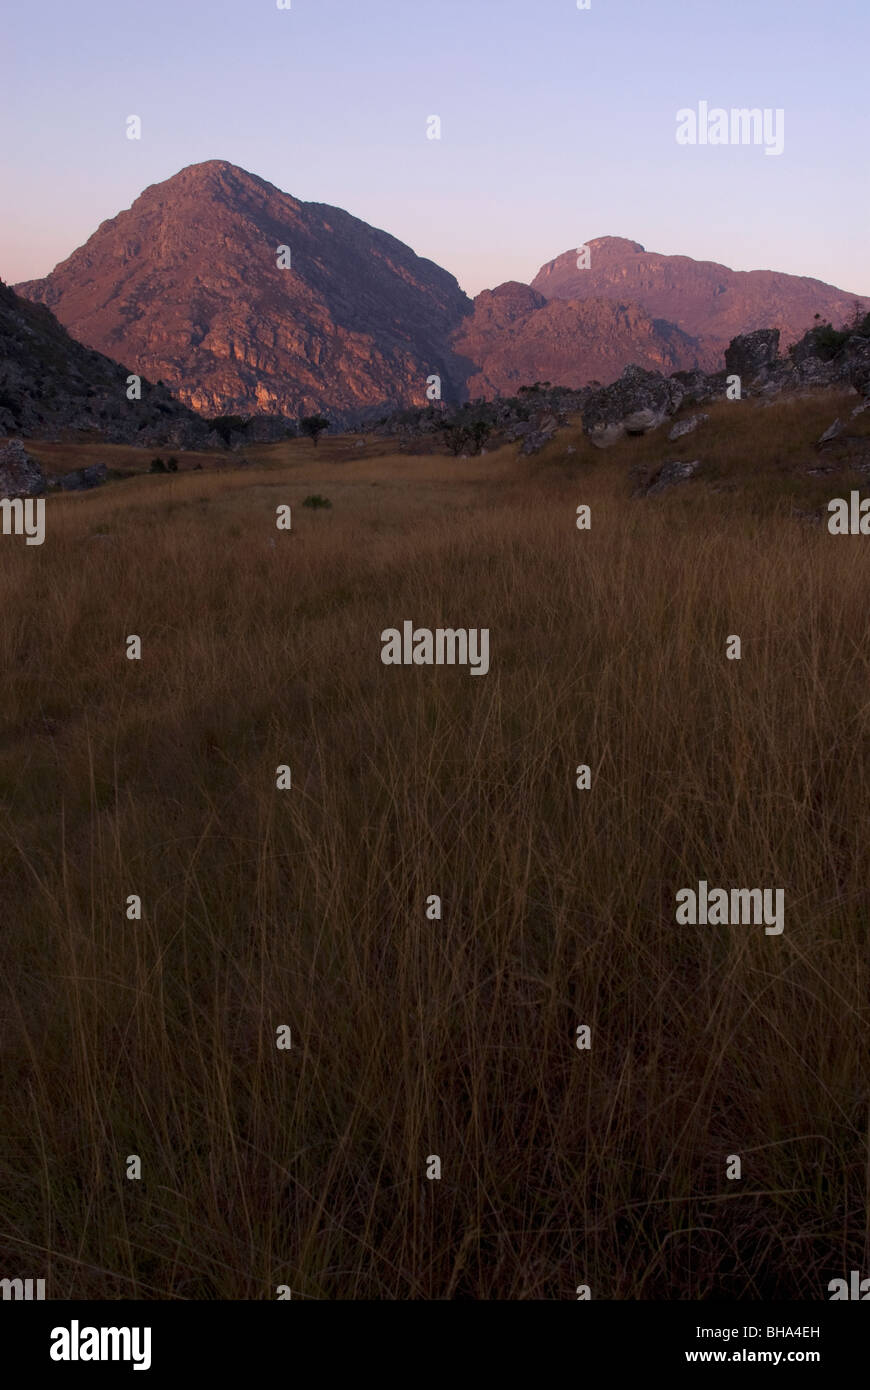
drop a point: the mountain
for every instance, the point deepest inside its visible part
(185, 286)
(708, 301)
(49, 383)
(516, 337)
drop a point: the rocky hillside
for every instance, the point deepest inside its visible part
(50, 384)
(710, 302)
(516, 337)
(641, 400)
(185, 286)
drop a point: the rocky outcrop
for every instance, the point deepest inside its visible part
(81, 479)
(857, 355)
(687, 426)
(50, 386)
(821, 358)
(751, 355)
(185, 286)
(711, 303)
(635, 404)
(667, 476)
(517, 338)
(20, 475)
(640, 401)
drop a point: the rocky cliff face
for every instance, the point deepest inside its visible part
(50, 384)
(184, 286)
(708, 301)
(186, 289)
(516, 337)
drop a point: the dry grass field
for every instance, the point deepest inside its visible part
(307, 907)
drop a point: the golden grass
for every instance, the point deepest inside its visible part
(307, 907)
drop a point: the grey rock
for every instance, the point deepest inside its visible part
(83, 478)
(535, 441)
(20, 475)
(751, 355)
(857, 353)
(635, 404)
(602, 436)
(668, 475)
(830, 433)
(816, 371)
(642, 421)
(687, 426)
(699, 387)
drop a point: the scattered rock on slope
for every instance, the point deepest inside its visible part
(635, 404)
(751, 355)
(20, 475)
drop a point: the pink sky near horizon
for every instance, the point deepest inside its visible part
(558, 124)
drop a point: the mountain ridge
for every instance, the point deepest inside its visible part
(705, 299)
(184, 285)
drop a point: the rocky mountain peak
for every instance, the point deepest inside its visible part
(185, 286)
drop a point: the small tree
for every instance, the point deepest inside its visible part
(480, 432)
(172, 465)
(227, 424)
(313, 426)
(158, 466)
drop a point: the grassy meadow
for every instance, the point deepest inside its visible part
(307, 907)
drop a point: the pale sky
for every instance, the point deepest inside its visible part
(558, 124)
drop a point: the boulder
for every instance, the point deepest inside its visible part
(698, 386)
(830, 433)
(857, 353)
(669, 474)
(817, 371)
(535, 441)
(642, 421)
(83, 478)
(807, 346)
(687, 426)
(602, 436)
(635, 404)
(751, 355)
(20, 475)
